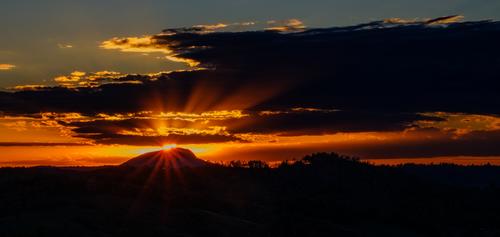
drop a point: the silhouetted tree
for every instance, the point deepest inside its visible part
(236, 164)
(321, 159)
(257, 164)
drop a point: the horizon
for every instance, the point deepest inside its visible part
(458, 161)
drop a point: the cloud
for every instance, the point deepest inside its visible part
(432, 144)
(65, 46)
(291, 25)
(144, 44)
(112, 139)
(223, 126)
(460, 123)
(209, 28)
(6, 67)
(79, 79)
(50, 144)
(443, 21)
(410, 145)
(28, 87)
(73, 77)
(320, 122)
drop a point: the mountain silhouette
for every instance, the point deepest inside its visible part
(167, 159)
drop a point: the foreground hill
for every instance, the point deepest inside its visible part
(322, 195)
(167, 159)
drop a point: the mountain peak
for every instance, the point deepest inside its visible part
(166, 159)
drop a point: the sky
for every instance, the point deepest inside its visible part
(93, 82)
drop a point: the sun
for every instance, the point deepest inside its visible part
(168, 146)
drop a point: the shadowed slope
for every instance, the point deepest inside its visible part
(173, 158)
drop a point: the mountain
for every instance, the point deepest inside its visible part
(166, 159)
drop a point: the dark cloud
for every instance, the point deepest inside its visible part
(407, 67)
(137, 140)
(320, 122)
(12, 144)
(478, 143)
(284, 123)
(429, 145)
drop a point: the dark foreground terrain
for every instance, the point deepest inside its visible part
(324, 195)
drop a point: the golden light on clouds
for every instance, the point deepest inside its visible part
(44, 129)
(460, 123)
(144, 44)
(445, 20)
(6, 67)
(73, 77)
(204, 116)
(65, 46)
(289, 25)
(211, 28)
(84, 79)
(435, 21)
(27, 87)
(147, 44)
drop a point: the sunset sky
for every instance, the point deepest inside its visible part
(96, 83)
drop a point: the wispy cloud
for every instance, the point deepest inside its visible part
(65, 46)
(445, 20)
(73, 77)
(210, 28)
(79, 79)
(27, 87)
(290, 25)
(145, 44)
(6, 67)
(432, 21)
(461, 123)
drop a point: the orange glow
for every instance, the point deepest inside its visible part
(6, 67)
(145, 44)
(48, 128)
(460, 123)
(168, 146)
(275, 150)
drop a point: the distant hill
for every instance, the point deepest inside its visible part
(167, 159)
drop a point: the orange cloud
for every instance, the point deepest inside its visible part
(211, 28)
(460, 123)
(6, 67)
(27, 87)
(73, 77)
(445, 20)
(147, 44)
(144, 44)
(290, 25)
(434, 21)
(65, 46)
(83, 79)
